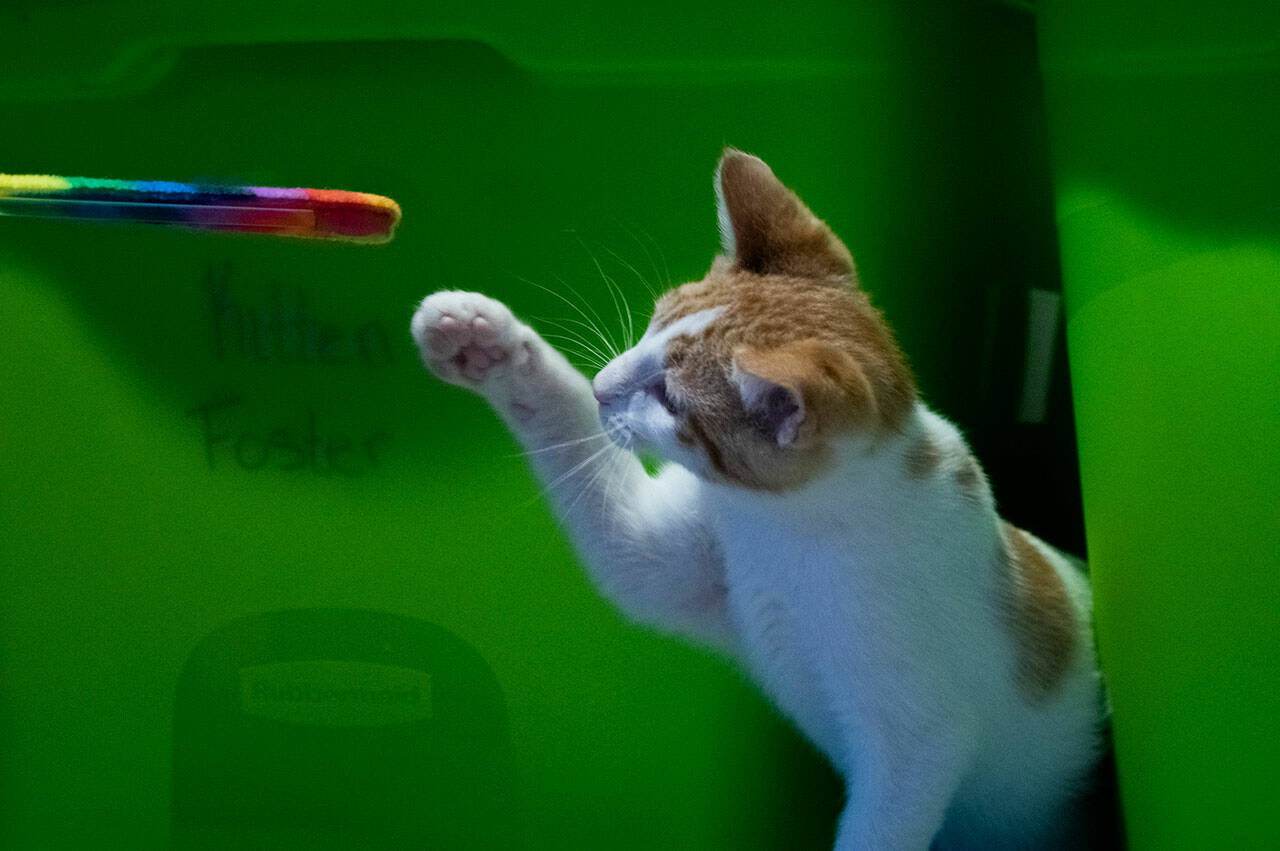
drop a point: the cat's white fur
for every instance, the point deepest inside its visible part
(864, 603)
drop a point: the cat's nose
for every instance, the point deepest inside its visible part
(603, 392)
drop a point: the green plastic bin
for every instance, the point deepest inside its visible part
(266, 584)
(1165, 126)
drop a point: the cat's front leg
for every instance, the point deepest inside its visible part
(900, 793)
(475, 342)
(645, 541)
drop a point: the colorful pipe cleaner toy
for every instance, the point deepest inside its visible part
(308, 213)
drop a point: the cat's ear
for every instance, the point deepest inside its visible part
(793, 392)
(775, 407)
(765, 228)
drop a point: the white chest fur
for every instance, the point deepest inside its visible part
(867, 608)
(862, 593)
(780, 591)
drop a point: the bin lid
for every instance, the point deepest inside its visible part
(58, 49)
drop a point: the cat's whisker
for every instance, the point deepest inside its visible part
(594, 328)
(594, 475)
(631, 327)
(601, 470)
(593, 356)
(653, 294)
(600, 323)
(611, 286)
(545, 491)
(559, 324)
(559, 480)
(665, 275)
(613, 493)
(563, 445)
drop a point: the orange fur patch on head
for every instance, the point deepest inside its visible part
(821, 338)
(791, 313)
(1038, 612)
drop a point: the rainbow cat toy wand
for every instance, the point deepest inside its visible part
(307, 213)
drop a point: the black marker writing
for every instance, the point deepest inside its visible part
(285, 330)
(299, 445)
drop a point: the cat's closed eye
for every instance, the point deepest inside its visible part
(658, 390)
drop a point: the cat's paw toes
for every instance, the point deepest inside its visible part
(469, 339)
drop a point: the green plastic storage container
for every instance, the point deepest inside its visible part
(266, 584)
(1165, 121)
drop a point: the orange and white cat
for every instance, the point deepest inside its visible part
(815, 522)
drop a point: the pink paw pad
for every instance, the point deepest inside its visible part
(466, 336)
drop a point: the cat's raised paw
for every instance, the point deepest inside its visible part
(469, 339)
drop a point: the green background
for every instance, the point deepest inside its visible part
(1165, 121)
(193, 493)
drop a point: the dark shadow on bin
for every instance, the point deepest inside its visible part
(340, 729)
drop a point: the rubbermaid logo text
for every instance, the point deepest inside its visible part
(332, 693)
